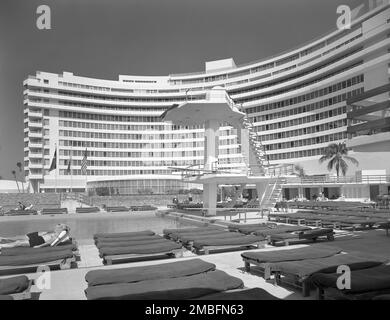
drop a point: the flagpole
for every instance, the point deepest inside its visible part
(71, 169)
(56, 172)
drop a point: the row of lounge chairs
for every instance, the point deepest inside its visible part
(135, 246)
(203, 240)
(299, 267)
(334, 220)
(131, 208)
(24, 259)
(190, 279)
(35, 212)
(332, 205)
(284, 233)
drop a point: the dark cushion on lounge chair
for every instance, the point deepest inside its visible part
(224, 235)
(248, 294)
(128, 243)
(246, 240)
(364, 280)
(305, 268)
(13, 285)
(141, 249)
(159, 271)
(382, 297)
(309, 234)
(124, 239)
(178, 235)
(33, 259)
(167, 289)
(124, 234)
(248, 228)
(311, 252)
(23, 250)
(190, 230)
(279, 229)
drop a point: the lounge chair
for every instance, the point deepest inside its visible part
(264, 260)
(63, 259)
(30, 251)
(248, 228)
(178, 235)
(140, 252)
(117, 209)
(127, 242)
(191, 237)
(246, 294)
(124, 234)
(87, 209)
(190, 230)
(312, 234)
(188, 287)
(16, 288)
(297, 273)
(21, 212)
(211, 244)
(159, 271)
(366, 283)
(279, 229)
(143, 208)
(382, 297)
(55, 211)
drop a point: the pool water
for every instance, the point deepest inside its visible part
(84, 226)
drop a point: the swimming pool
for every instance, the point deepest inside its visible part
(84, 226)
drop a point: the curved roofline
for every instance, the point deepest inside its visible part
(287, 52)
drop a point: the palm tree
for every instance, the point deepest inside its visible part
(337, 154)
(19, 165)
(16, 181)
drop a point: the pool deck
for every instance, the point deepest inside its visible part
(70, 284)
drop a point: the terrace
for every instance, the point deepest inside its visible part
(368, 117)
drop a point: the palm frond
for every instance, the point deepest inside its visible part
(352, 160)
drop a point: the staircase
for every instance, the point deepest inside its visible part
(256, 149)
(272, 194)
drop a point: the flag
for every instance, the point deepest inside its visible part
(69, 164)
(53, 165)
(84, 163)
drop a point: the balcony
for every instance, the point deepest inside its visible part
(35, 155)
(34, 134)
(35, 165)
(368, 117)
(35, 124)
(34, 113)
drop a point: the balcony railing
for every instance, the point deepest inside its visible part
(366, 179)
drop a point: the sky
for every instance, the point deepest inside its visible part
(103, 39)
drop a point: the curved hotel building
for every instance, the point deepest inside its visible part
(296, 102)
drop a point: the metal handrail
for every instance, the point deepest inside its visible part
(344, 179)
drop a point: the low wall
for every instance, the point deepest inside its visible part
(139, 200)
(38, 200)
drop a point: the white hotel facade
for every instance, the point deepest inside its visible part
(296, 101)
